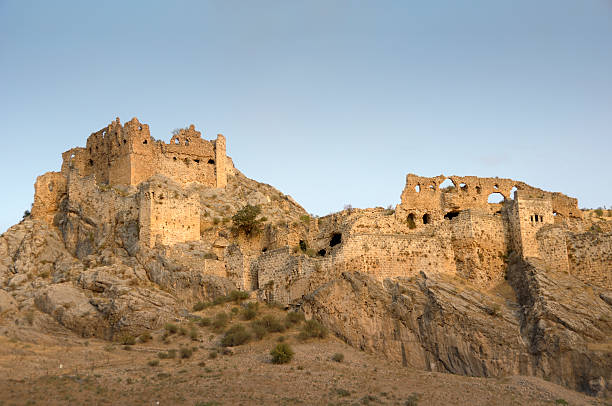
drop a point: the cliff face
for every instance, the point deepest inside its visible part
(444, 282)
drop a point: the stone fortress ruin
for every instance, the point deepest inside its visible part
(137, 231)
(124, 176)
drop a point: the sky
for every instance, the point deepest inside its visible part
(331, 102)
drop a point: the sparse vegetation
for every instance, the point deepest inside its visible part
(199, 306)
(153, 363)
(312, 329)
(185, 352)
(145, 337)
(127, 339)
(282, 354)
(294, 317)
(171, 328)
(338, 357)
(236, 335)
(250, 311)
(220, 321)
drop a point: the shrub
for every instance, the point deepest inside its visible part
(599, 212)
(237, 296)
(246, 220)
(338, 357)
(199, 306)
(281, 354)
(153, 363)
(258, 330)
(313, 329)
(171, 328)
(145, 337)
(213, 354)
(305, 218)
(127, 339)
(26, 214)
(250, 311)
(182, 331)
(271, 324)
(204, 321)
(166, 355)
(220, 321)
(236, 335)
(185, 352)
(294, 317)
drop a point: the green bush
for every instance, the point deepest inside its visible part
(153, 363)
(145, 337)
(237, 296)
(213, 354)
(294, 317)
(127, 339)
(338, 357)
(599, 212)
(236, 335)
(271, 324)
(204, 321)
(313, 329)
(182, 331)
(246, 220)
(199, 306)
(281, 354)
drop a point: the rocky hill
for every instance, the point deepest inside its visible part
(133, 234)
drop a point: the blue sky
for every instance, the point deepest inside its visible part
(332, 102)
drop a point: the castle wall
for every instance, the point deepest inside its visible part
(480, 244)
(423, 195)
(168, 215)
(552, 247)
(530, 215)
(49, 190)
(127, 155)
(590, 258)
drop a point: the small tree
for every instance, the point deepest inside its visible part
(281, 354)
(246, 219)
(26, 214)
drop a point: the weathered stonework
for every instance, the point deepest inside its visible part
(127, 155)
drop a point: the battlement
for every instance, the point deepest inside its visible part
(127, 155)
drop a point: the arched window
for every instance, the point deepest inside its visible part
(426, 218)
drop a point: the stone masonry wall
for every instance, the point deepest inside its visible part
(590, 257)
(168, 215)
(127, 155)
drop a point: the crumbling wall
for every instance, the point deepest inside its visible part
(49, 190)
(168, 214)
(423, 195)
(127, 155)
